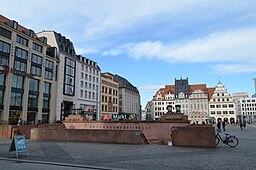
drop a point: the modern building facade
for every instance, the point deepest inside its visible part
(67, 74)
(109, 96)
(245, 107)
(129, 99)
(88, 88)
(27, 75)
(222, 105)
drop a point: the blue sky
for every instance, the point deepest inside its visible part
(150, 42)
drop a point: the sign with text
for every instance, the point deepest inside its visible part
(19, 144)
(123, 117)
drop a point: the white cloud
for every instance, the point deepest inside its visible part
(235, 46)
(149, 88)
(97, 18)
(234, 68)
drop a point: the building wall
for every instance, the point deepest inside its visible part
(198, 107)
(246, 109)
(222, 105)
(22, 98)
(109, 96)
(88, 88)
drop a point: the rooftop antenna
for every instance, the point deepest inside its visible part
(219, 79)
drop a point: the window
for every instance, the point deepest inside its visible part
(2, 83)
(17, 81)
(224, 106)
(20, 66)
(230, 105)
(36, 59)
(36, 70)
(212, 106)
(4, 53)
(37, 47)
(16, 99)
(81, 93)
(46, 95)
(20, 53)
(5, 33)
(82, 84)
(21, 40)
(225, 112)
(218, 106)
(48, 70)
(46, 102)
(49, 64)
(218, 112)
(33, 84)
(69, 81)
(4, 47)
(1, 97)
(48, 75)
(32, 101)
(213, 112)
(47, 88)
(231, 112)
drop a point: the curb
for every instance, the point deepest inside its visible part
(58, 164)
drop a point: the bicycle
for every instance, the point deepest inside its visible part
(229, 140)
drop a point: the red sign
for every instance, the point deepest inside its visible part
(106, 116)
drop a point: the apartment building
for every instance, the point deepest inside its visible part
(87, 100)
(129, 99)
(66, 73)
(109, 96)
(222, 105)
(27, 75)
(198, 104)
(245, 107)
(163, 98)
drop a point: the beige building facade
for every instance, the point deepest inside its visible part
(109, 96)
(27, 75)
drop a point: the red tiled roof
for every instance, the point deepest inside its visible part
(210, 92)
(194, 87)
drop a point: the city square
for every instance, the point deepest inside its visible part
(77, 155)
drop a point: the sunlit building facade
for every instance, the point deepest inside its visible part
(27, 75)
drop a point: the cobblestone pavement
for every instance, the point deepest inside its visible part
(98, 155)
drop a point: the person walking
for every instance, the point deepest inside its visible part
(218, 126)
(241, 125)
(244, 124)
(223, 125)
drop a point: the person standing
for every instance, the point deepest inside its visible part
(223, 125)
(218, 126)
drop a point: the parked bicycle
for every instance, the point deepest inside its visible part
(229, 140)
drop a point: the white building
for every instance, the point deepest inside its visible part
(222, 105)
(88, 88)
(163, 98)
(246, 109)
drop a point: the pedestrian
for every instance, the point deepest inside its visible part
(244, 124)
(218, 126)
(223, 125)
(241, 125)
